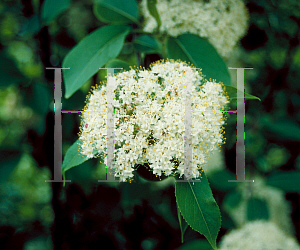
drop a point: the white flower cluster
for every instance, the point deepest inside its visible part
(149, 119)
(258, 235)
(223, 23)
(279, 209)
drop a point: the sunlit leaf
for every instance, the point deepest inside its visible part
(151, 5)
(116, 11)
(201, 54)
(52, 8)
(73, 156)
(199, 208)
(147, 44)
(232, 92)
(116, 63)
(95, 50)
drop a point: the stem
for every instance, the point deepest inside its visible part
(138, 56)
(140, 31)
(164, 50)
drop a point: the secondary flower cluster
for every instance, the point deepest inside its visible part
(258, 235)
(278, 207)
(149, 118)
(223, 23)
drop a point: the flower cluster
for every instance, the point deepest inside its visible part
(149, 118)
(258, 235)
(279, 209)
(223, 23)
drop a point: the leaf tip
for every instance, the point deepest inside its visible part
(68, 95)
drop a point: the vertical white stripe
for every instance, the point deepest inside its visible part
(110, 119)
(188, 146)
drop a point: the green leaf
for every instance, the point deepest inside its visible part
(284, 128)
(227, 221)
(257, 210)
(10, 74)
(9, 159)
(196, 245)
(147, 44)
(232, 199)
(151, 5)
(117, 11)
(73, 157)
(182, 223)
(127, 49)
(201, 54)
(38, 97)
(116, 63)
(232, 93)
(199, 208)
(83, 174)
(95, 50)
(33, 26)
(52, 8)
(219, 180)
(76, 101)
(287, 181)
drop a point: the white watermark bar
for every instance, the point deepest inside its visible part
(72, 111)
(188, 142)
(240, 126)
(57, 173)
(110, 144)
(76, 111)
